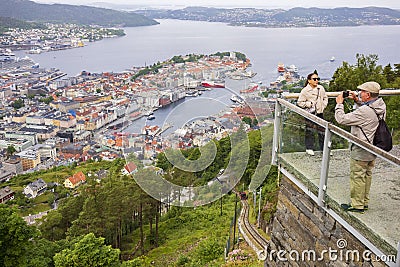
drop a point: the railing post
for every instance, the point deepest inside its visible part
(277, 126)
(259, 210)
(323, 181)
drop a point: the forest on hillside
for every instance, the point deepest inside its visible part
(114, 222)
(77, 14)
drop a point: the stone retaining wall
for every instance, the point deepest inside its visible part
(303, 234)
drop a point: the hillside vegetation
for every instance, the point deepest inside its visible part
(7, 22)
(60, 13)
(122, 225)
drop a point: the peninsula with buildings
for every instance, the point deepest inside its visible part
(51, 37)
(50, 120)
(281, 18)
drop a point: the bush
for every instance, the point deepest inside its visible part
(209, 250)
(182, 260)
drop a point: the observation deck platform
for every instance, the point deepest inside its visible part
(380, 224)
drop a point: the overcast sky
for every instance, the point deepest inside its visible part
(395, 4)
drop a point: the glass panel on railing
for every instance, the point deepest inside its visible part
(301, 146)
(339, 166)
(293, 126)
(347, 180)
(370, 186)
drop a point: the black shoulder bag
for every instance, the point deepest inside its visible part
(382, 138)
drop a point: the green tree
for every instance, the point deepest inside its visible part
(389, 73)
(162, 162)
(42, 253)
(255, 121)
(17, 104)
(177, 59)
(56, 224)
(393, 116)
(88, 251)
(247, 120)
(10, 150)
(348, 77)
(15, 238)
(50, 226)
(46, 100)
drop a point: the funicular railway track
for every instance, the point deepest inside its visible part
(255, 240)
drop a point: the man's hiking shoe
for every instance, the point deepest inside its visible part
(347, 207)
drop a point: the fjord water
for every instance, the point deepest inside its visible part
(307, 48)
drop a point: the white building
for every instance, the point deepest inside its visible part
(35, 188)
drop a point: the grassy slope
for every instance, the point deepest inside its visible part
(194, 237)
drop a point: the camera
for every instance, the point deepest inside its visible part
(346, 94)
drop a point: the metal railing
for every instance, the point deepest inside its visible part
(281, 107)
(383, 92)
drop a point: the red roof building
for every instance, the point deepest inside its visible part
(74, 181)
(129, 168)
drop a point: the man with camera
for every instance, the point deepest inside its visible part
(363, 119)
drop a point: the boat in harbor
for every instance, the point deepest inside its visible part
(148, 113)
(192, 93)
(213, 84)
(151, 117)
(249, 74)
(292, 68)
(281, 67)
(236, 99)
(332, 59)
(35, 51)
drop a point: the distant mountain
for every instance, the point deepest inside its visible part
(118, 6)
(60, 13)
(295, 17)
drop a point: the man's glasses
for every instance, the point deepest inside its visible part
(316, 79)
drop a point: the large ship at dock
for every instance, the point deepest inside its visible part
(9, 62)
(213, 84)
